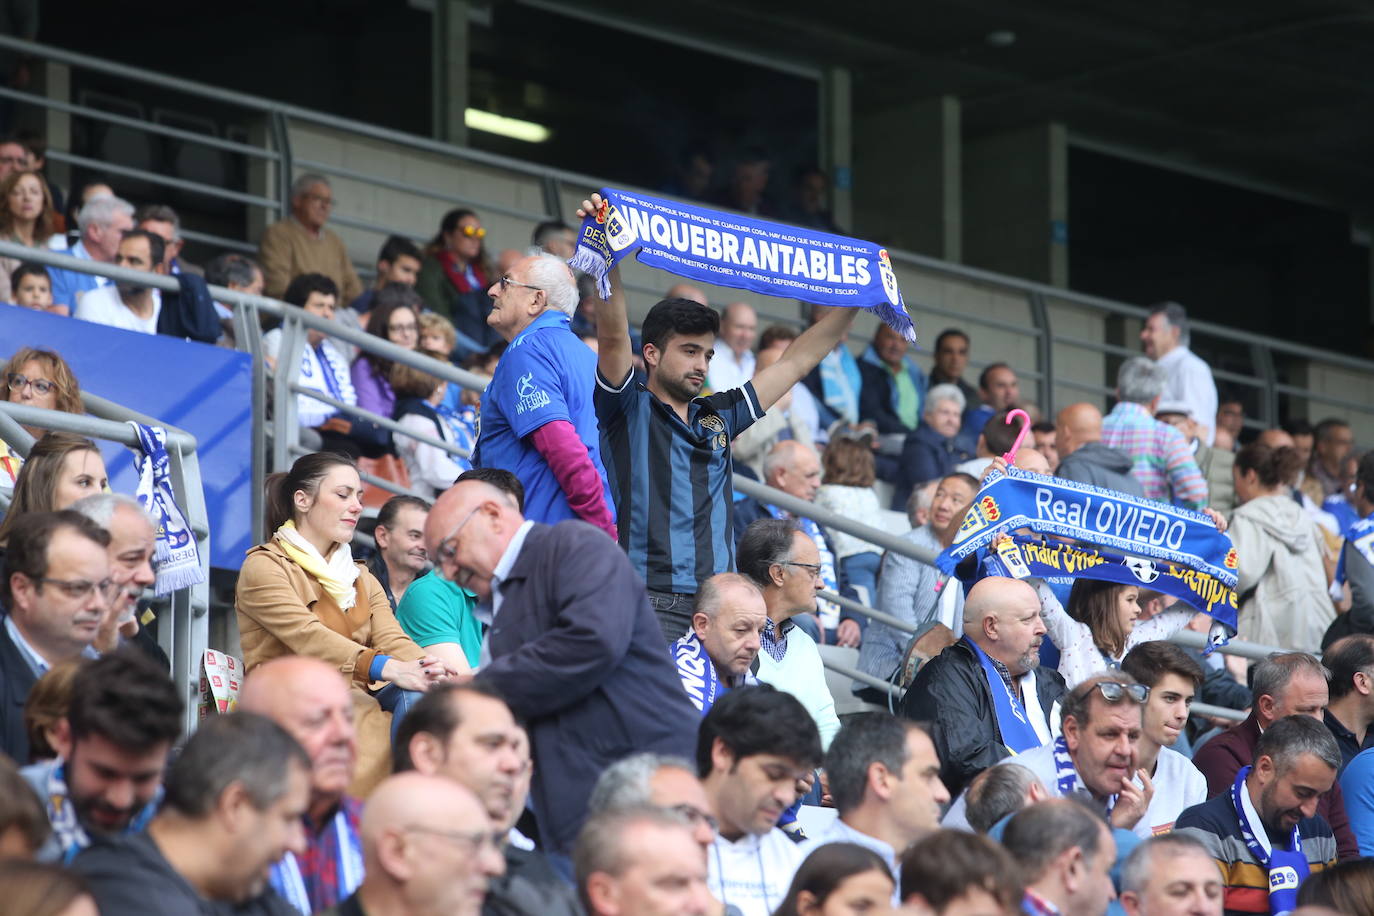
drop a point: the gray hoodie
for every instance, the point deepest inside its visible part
(1101, 466)
(1282, 589)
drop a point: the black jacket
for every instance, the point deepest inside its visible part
(530, 887)
(129, 876)
(927, 455)
(190, 313)
(951, 692)
(579, 656)
(16, 680)
(1102, 466)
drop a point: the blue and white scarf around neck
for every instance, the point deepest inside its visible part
(729, 249)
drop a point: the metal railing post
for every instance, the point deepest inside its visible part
(1263, 359)
(248, 339)
(1044, 346)
(285, 431)
(281, 139)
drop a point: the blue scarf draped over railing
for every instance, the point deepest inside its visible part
(729, 249)
(1162, 547)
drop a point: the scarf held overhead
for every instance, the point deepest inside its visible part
(1024, 557)
(1186, 541)
(728, 249)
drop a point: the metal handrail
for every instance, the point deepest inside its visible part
(1038, 296)
(183, 633)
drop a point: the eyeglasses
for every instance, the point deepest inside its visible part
(399, 328)
(41, 385)
(507, 281)
(813, 568)
(76, 589)
(1113, 692)
(446, 552)
(696, 816)
(474, 840)
(473, 232)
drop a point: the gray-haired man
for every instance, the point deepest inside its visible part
(301, 243)
(1187, 378)
(1161, 458)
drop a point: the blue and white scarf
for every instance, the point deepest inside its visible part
(1139, 528)
(67, 832)
(1024, 557)
(1012, 719)
(177, 560)
(698, 673)
(1066, 774)
(1287, 868)
(728, 249)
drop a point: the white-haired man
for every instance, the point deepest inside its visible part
(302, 244)
(1187, 378)
(538, 419)
(103, 223)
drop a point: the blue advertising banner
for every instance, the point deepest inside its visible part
(202, 389)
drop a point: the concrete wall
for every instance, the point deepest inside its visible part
(1016, 203)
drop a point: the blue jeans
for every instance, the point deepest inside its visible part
(674, 613)
(397, 701)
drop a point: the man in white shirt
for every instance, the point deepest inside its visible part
(103, 220)
(733, 362)
(885, 780)
(1174, 680)
(127, 305)
(783, 562)
(753, 747)
(1187, 378)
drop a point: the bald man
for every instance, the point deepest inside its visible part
(429, 849)
(1084, 458)
(573, 645)
(312, 701)
(987, 692)
(733, 363)
(686, 291)
(717, 653)
(794, 468)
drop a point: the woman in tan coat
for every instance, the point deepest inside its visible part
(302, 593)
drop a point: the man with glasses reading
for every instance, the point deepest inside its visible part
(538, 416)
(571, 646)
(57, 591)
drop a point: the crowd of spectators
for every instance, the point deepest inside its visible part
(582, 673)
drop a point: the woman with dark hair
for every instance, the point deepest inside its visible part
(456, 273)
(61, 468)
(395, 317)
(1283, 583)
(37, 378)
(302, 593)
(839, 879)
(27, 218)
(33, 889)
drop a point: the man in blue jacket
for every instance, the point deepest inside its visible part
(571, 645)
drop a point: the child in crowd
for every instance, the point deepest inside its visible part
(847, 489)
(418, 395)
(460, 406)
(1100, 626)
(31, 288)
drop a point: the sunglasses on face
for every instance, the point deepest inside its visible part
(473, 232)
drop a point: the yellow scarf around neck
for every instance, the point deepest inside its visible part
(338, 574)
